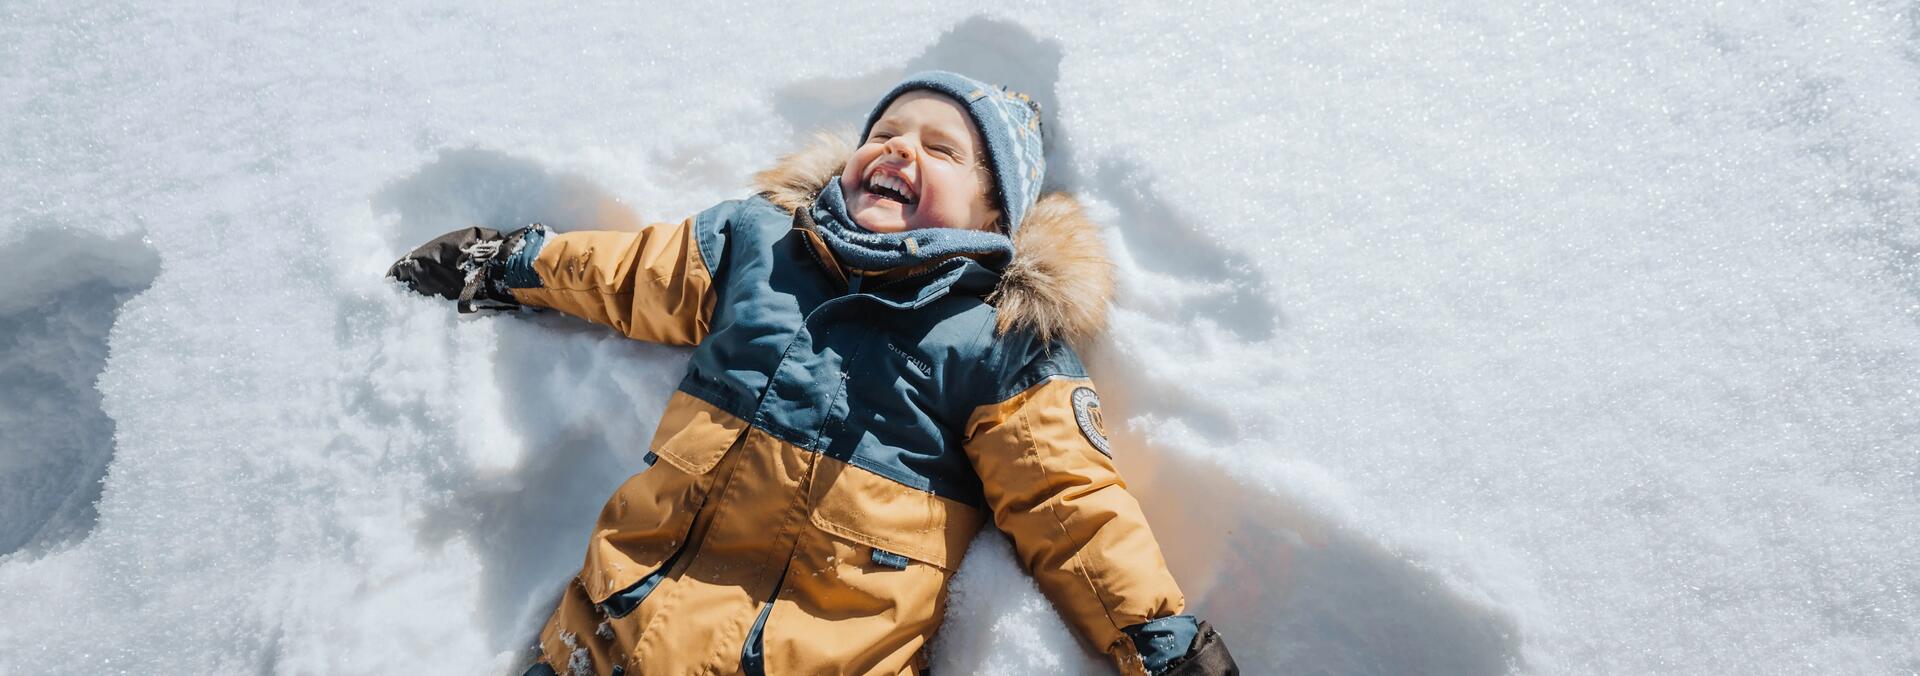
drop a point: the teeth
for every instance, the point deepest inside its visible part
(889, 182)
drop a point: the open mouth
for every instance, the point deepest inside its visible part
(889, 185)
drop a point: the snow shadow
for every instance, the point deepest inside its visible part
(1290, 587)
(1215, 282)
(1287, 583)
(474, 186)
(580, 402)
(58, 303)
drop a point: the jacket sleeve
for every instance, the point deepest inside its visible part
(1042, 457)
(654, 285)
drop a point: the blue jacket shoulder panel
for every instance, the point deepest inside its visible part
(1036, 364)
(1017, 361)
(765, 284)
(717, 228)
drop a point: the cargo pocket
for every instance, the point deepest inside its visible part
(864, 589)
(645, 525)
(695, 435)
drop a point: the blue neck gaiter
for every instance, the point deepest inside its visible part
(861, 249)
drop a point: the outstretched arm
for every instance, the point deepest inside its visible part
(652, 285)
(1042, 458)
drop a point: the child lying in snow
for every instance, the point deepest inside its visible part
(880, 363)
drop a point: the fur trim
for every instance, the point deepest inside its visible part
(1059, 282)
(796, 179)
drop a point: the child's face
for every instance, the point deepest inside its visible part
(922, 166)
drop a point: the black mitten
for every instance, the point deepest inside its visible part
(435, 268)
(463, 265)
(1207, 657)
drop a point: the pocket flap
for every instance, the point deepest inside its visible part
(694, 435)
(882, 513)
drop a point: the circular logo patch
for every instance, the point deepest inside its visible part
(1086, 411)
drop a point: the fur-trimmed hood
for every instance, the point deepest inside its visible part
(1059, 282)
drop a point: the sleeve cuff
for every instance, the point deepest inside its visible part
(518, 272)
(1163, 640)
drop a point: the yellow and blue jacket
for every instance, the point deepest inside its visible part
(838, 440)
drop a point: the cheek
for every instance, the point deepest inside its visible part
(847, 184)
(857, 165)
(959, 189)
(949, 198)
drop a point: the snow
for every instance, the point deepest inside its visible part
(1453, 338)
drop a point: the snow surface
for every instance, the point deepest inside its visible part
(1454, 338)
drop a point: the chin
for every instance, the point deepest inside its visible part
(884, 228)
(879, 222)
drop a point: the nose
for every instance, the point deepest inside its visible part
(899, 145)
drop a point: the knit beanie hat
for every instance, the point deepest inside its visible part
(1009, 124)
(1008, 121)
